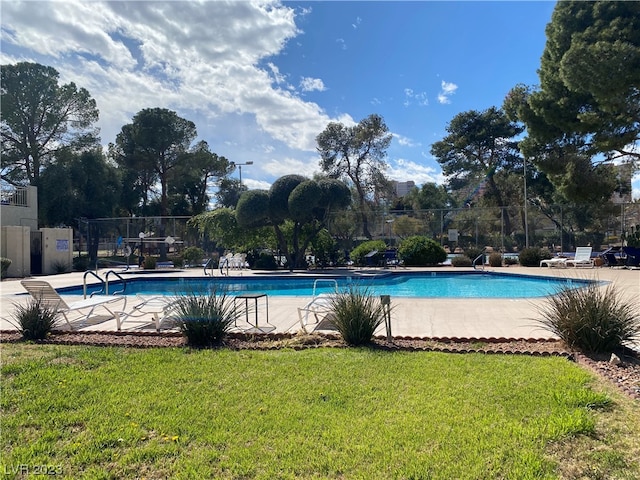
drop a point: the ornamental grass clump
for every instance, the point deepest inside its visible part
(356, 315)
(204, 319)
(592, 319)
(35, 320)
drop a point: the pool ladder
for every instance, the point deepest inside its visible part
(481, 256)
(104, 281)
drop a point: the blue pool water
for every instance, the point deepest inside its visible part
(416, 285)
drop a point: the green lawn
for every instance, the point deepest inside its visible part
(91, 412)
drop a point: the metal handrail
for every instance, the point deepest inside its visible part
(478, 258)
(223, 262)
(328, 280)
(209, 264)
(84, 283)
(124, 282)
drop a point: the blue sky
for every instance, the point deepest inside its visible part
(261, 79)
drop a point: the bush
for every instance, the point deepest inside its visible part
(193, 255)
(495, 259)
(61, 267)
(34, 320)
(531, 257)
(177, 261)
(592, 319)
(461, 261)
(149, 263)
(265, 261)
(358, 253)
(419, 251)
(356, 315)
(80, 264)
(474, 253)
(511, 261)
(5, 263)
(204, 319)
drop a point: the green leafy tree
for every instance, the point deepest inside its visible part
(151, 148)
(39, 119)
(229, 191)
(478, 146)
(357, 154)
(296, 208)
(586, 107)
(82, 185)
(189, 180)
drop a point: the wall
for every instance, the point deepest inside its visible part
(15, 244)
(23, 212)
(57, 249)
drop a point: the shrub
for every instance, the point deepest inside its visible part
(461, 261)
(193, 255)
(511, 261)
(591, 319)
(418, 251)
(356, 315)
(80, 264)
(474, 253)
(204, 319)
(149, 263)
(358, 253)
(177, 261)
(5, 263)
(60, 267)
(495, 259)
(35, 320)
(265, 261)
(531, 257)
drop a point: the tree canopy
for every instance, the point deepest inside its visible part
(297, 201)
(587, 104)
(39, 119)
(357, 154)
(478, 146)
(151, 147)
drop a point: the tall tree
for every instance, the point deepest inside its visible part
(76, 186)
(357, 154)
(587, 106)
(39, 118)
(478, 145)
(194, 173)
(152, 146)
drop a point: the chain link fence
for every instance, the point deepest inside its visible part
(505, 229)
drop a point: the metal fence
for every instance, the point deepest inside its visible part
(506, 229)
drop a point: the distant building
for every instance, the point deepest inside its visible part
(402, 188)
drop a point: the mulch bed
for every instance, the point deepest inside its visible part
(624, 375)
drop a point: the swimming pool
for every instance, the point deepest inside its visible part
(401, 284)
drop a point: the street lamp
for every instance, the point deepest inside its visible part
(239, 165)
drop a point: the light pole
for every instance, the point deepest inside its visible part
(526, 219)
(239, 165)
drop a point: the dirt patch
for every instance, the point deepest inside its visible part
(625, 375)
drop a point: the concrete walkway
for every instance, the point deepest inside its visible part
(440, 317)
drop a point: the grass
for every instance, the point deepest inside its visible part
(90, 412)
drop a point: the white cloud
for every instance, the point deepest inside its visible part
(312, 84)
(135, 55)
(405, 141)
(403, 170)
(341, 42)
(411, 97)
(357, 23)
(447, 89)
(280, 167)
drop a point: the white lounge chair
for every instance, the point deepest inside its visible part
(582, 258)
(319, 306)
(554, 262)
(158, 308)
(45, 293)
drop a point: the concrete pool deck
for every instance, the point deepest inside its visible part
(411, 317)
